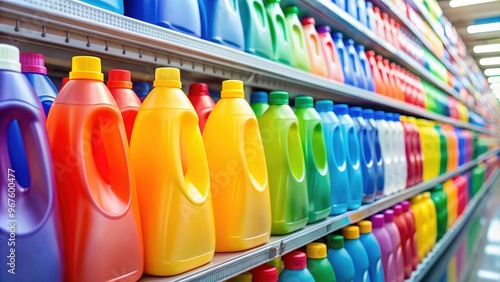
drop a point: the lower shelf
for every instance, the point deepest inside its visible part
(441, 246)
(227, 265)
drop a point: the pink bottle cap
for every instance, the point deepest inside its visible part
(33, 62)
(398, 210)
(308, 20)
(405, 205)
(377, 220)
(389, 215)
(295, 260)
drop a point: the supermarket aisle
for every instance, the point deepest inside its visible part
(486, 260)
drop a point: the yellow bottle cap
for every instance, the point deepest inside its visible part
(412, 119)
(403, 118)
(232, 89)
(426, 195)
(365, 226)
(416, 199)
(167, 77)
(350, 232)
(421, 122)
(86, 67)
(316, 250)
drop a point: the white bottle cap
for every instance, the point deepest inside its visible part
(9, 58)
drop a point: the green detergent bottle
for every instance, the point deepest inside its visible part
(477, 179)
(318, 264)
(440, 199)
(314, 148)
(280, 35)
(257, 29)
(259, 103)
(299, 47)
(443, 147)
(279, 129)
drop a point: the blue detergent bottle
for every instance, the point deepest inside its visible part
(349, 76)
(339, 258)
(30, 234)
(340, 3)
(115, 6)
(336, 154)
(295, 268)
(257, 30)
(370, 16)
(221, 23)
(361, 11)
(358, 78)
(366, 70)
(375, 270)
(182, 16)
(357, 252)
(368, 115)
(367, 157)
(351, 8)
(462, 148)
(142, 89)
(353, 156)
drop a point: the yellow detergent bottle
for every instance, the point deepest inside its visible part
(173, 182)
(451, 191)
(420, 225)
(238, 173)
(432, 223)
(429, 140)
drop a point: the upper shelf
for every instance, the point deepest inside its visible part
(61, 28)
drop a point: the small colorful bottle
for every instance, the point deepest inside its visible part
(404, 233)
(259, 103)
(386, 247)
(295, 268)
(372, 248)
(314, 48)
(357, 252)
(265, 273)
(297, 40)
(318, 264)
(202, 102)
(280, 33)
(374, 140)
(339, 258)
(410, 222)
(398, 260)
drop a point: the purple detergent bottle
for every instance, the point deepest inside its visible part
(386, 246)
(397, 254)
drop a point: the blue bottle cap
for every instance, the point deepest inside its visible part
(389, 116)
(323, 28)
(341, 109)
(324, 106)
(379, 115)
(396, 117)
(349, 42)
(337, 35)
(258, 97)
(355, 112)
(369, 5)
(368, 114)
(142, 88)
(360, 48)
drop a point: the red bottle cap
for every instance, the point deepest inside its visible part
(379, 58)
(370, 53)
(398, 210)
(405, 205)
(265, 273)
(33, 62)
(119, 79)
(64, 81)
(385, 17)
(308, 20)
(295, 260)
(386, 62)
(198, 89)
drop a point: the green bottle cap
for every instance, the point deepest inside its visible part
(304, 102)
(291, 10)
(278, 98)
(335, 241)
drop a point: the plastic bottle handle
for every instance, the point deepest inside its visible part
(329, 49)
(261, 11)
(317, 47)
(281, 22)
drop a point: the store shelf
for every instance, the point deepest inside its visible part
(227, 265)
(440, 248)
(61, 29)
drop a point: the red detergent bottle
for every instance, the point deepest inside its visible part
(389, 88)
(404, 233)
(202, 102)
(97, 196)
(332, 60)
(410, 222)
(120, 86)
(380, 86)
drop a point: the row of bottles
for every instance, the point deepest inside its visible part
(152, 174)
(388, 247)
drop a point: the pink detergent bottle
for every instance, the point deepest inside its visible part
(386, 246)
(332, 60)
(410, 221)
(397, 254)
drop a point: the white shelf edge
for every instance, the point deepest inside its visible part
(81, 27)
(440, 247)
(229, 265)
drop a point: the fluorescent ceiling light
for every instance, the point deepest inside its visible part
(461, 3)
(487, 48)
(481, 28)
(494, 79)
(489, 61)
(492, 72)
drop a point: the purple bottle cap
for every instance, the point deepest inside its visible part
(405, 205)
(398, 210)
(377, 220)
(389, 215)
(323, 28)
(33, 62)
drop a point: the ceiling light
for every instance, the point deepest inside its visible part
(480, 28)
(489, 61)
(488, 48)
(461, 3)
(494, 79)
(492, 72)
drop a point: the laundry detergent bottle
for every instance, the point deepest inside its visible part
(314, 148)
(202, 102)
(94, 181)
(178, 227)
(257, 28)
(238, 174)
(375, 270)
(357, 252)
(373, 138)
(259, 103)
(280, 33)
(279, 129)
(318, 264)
(332, 60)
(30, 233)
(297, 39)
(339, 258)
(314, 48)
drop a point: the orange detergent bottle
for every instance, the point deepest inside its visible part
(120, 86)
(238, 173)
(171, 173)
(97, 196)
